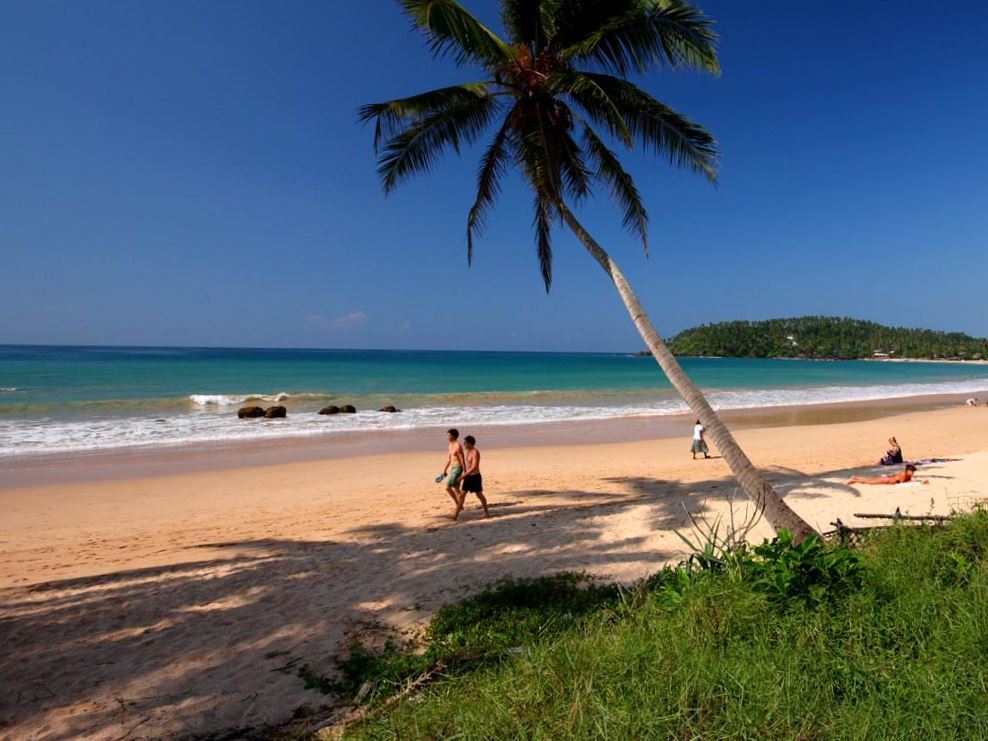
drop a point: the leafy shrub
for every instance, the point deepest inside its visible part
(809, 571)
(779, 568)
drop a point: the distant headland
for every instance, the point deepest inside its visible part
(825, 338)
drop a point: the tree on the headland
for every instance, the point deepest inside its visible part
(824, 337)
(561, 73)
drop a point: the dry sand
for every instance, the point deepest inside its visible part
(164, 606)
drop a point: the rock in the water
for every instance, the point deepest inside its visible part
(331, 409)
(348, 409)
(389, 409)
(248, 412)
(276, 412)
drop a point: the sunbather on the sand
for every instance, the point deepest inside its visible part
(904, 476)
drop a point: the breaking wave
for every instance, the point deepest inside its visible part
(228, 400)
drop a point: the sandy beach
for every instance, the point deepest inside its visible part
(180, 603)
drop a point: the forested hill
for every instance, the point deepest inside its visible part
(824, 337)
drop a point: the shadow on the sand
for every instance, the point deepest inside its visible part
(240, 623)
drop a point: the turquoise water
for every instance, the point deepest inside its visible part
(82, 398)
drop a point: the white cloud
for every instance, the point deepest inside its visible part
(342, 323)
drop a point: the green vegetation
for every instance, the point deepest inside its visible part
(813, 641)
(477, 632)
(824, 337)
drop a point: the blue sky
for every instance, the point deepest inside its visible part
(192, 173)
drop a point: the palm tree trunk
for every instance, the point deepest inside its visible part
(776, 511)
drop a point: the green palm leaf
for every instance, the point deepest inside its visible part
(392, 116)
(492, 168)
(622, 185)
(576, 176)
(659, 128)
(414, 149)
(593, 100)
(649, 34)
(544, 216)
(533, 22)
(452, 30)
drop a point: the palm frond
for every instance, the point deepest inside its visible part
(532, 22)
(535, 153)
(414, 149)
(390, 117)
(552, 160)
(649, 35)
(657, 126)
(575, 174)
(593, 100)
(538, 156)
(544, 213)
(451, 29)
(577, 19)
(492, 167)
(622, 185)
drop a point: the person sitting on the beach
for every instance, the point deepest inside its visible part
(903, 477)
(454, 468)
(893, 456)
(972, 402)
(472, 480)
(699, 444)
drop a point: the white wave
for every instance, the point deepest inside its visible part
(8, 389)
(227, 400)
(209, 422)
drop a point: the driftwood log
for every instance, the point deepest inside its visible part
(899, 516)
(847, 533)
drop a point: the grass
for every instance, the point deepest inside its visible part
(889, 641)
(503, 620)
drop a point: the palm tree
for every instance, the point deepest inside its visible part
(563, 72)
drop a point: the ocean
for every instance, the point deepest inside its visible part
(63, 399)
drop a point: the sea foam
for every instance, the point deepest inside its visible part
(226, 400)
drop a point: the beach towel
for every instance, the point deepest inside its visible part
(928, 461)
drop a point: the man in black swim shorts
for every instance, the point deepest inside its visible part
(472, 480)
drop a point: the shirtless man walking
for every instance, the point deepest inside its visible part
(455, 463)
(472, 479)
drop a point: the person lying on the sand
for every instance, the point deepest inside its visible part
(893, 456)
(903, 477)
(472, 480)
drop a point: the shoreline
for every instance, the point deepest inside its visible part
(958, 361)
(42, 469)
